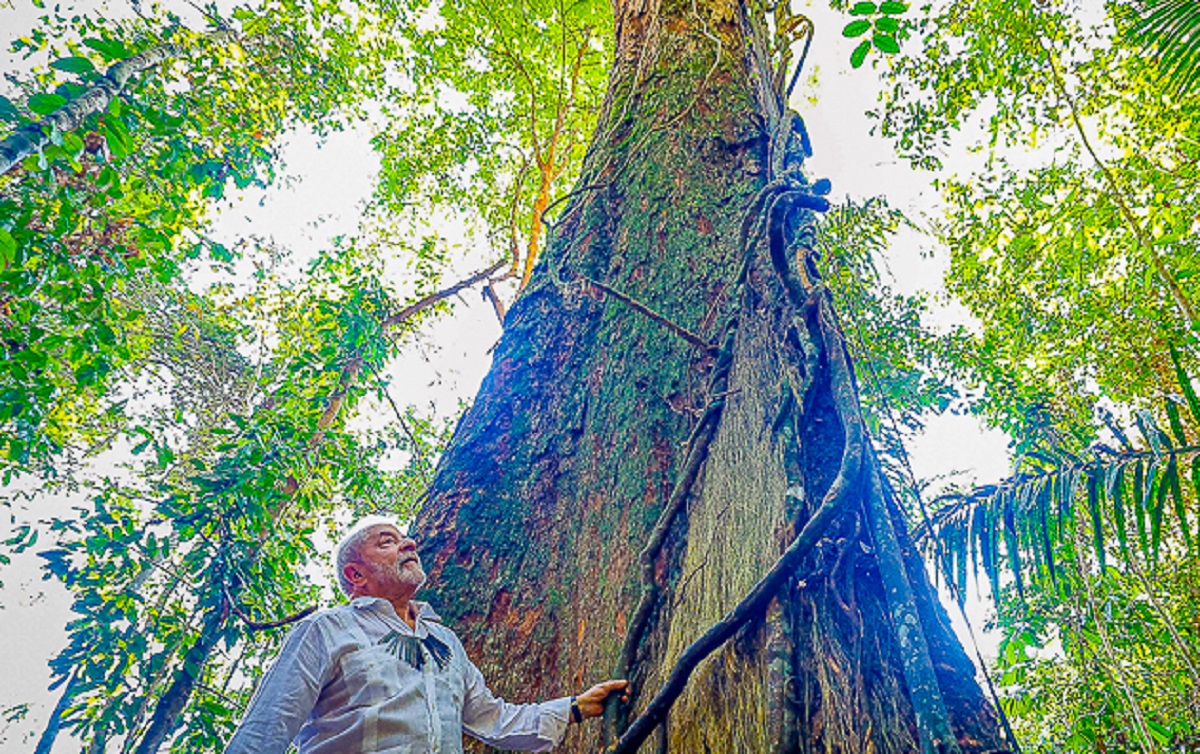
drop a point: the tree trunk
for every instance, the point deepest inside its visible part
(578, 439)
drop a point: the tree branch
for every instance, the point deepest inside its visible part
(254, 625)
(32, 137)
(433, 298)
(641, 308)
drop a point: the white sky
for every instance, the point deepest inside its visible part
(329, 183)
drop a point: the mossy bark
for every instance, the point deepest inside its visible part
(557, 474)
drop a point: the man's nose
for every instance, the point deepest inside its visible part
(408, 543)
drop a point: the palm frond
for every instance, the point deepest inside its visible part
(1169, 29)
(1116, 504)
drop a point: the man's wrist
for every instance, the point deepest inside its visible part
(576, 713)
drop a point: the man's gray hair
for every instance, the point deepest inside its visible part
(347, 548)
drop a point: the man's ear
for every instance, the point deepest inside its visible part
(354, 574)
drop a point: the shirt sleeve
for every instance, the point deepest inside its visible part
(286, 695)
(523, 727)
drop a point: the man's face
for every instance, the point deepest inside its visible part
(386, 564)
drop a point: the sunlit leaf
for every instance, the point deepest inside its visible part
(886, 43)
(860, 53)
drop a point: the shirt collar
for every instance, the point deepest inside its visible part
(425, 613)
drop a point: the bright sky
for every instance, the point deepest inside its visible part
(328, 184)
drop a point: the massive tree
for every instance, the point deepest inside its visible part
(667, 456)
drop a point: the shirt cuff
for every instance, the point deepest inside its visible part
(552, 723)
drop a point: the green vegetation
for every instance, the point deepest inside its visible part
(198, 398)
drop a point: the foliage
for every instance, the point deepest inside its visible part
(1081, 267)
(898, 360)
(491, 116)
(223, 525)
(1092, 561)
(1072, 240)
(125, 198)
(1170, 28)
(210, 522)
(885, 24)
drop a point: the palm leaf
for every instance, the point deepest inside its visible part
(1027, 523)
(1169, 29)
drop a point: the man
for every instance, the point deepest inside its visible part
(382, 674)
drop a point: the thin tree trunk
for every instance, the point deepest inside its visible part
(172, 702)
(31, 138)
(46, 742)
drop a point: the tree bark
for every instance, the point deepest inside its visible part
(557, 475)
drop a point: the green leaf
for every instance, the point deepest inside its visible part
(1116, 493)
(1174, 419)
(893, 8)
(1044, 523)
(863, 9)
(886, 43)
(1093, 498)
(1157, 506)
(1161, 734)
(110, 49)
(1012, 547)
(1140, 497)
(887, 25)
(8, 247)
(44, 103)
(117, 137)
(1185, 385)
(1176, 492)
(856, 28)
(860, 53)
(73, 64)
(8, 111)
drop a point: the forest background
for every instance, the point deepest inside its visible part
(174, 354)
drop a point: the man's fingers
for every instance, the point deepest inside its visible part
(591, 702)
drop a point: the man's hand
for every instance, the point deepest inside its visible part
(591, 702)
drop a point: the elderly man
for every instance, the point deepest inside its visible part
(382, 674)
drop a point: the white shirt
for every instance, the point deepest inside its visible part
(342, 686)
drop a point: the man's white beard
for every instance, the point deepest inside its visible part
(413, 575)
